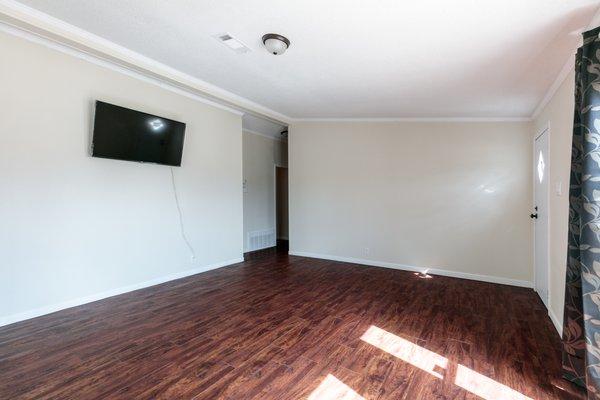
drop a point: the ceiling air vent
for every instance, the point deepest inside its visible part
(232, 43)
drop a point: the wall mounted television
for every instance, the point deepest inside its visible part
(124, 134)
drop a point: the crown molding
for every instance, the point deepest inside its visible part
(17, 32)
(424, 119)
(262, 134)
(29, 23)
(562, 75)
(566, 69)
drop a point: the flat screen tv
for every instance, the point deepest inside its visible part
(124, 134)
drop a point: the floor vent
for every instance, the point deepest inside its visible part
(261, 239)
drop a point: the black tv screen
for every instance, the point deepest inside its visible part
(124, 134)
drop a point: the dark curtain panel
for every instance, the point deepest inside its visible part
(581, 327)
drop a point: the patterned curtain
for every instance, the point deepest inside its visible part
(581, 329)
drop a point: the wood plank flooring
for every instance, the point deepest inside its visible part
(283, 327)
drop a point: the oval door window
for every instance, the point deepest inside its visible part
(540, 167)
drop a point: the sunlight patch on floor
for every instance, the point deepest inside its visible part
(429, 361)
(333, 389)
(483, 386)
(407, 351)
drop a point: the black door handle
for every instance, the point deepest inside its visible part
(533, 215)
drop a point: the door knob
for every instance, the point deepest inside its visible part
(533, 215)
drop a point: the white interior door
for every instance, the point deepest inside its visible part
(540, 215)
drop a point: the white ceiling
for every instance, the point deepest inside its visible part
(351, 58)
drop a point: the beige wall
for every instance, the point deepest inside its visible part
(261, 154)
(449, 196)
(75, 228)
(558, 115)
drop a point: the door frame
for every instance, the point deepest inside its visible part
(544, 131)
(275, 166)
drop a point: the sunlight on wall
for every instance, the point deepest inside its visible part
(333, 389)
(428, 361)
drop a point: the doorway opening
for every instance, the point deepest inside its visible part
(281, 207)
(264, 186)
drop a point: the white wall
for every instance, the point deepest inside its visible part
(558, 115)
(74, 227)
(261, 154)
(450, 196)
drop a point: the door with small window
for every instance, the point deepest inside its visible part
(540, 216)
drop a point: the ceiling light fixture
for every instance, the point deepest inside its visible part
(275, 44)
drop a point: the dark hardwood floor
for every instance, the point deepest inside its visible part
(279, 327)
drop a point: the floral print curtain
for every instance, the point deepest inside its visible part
(581, 327)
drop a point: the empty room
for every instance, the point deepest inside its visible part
(285, 200)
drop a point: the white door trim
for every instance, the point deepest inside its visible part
(546, 130)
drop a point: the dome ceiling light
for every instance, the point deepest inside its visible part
(275, 44)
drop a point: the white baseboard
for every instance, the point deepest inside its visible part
(554, 319)
(433, 271)
(10, 319)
